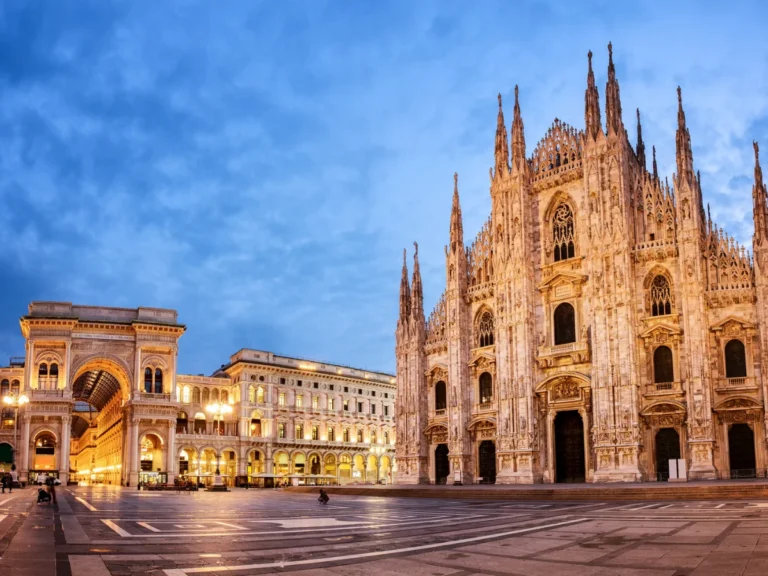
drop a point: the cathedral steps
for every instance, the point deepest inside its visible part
(713, 490)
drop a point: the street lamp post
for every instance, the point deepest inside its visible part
(218, 409)
(16, 400)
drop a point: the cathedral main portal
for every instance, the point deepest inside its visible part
(569, 447)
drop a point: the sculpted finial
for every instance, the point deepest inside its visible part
(516, 93)
(404, 257)
(416, 250)
(499, 97)
(757, 149)
(679, 96)
(456, 181)
(589, 57)
(610, 52)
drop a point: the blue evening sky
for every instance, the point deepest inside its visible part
(259, 166)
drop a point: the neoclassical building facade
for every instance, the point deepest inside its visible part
(106, 405)
(598, 326)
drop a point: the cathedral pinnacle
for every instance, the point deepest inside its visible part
(417, 295)
(405, 292)
(612, 98)
(457, 227)
(502, 148)
(759, 201)
(640, 150)
(518, 137)
(592, 103)
(684, 156)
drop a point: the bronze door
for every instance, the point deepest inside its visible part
(667, 448)
(487, 462)
(741, 451)
(442, 467)
(569, 447)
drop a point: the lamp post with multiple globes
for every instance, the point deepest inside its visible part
(16, 400)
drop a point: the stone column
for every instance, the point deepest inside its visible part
(133, 455)
(65, 373)
(24, 442)
(171, 460)
(64, 450)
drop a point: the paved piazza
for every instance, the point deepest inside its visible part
(105, 530)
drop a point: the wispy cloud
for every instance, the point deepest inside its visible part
(260, 168)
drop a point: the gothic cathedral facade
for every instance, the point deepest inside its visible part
(599, 327)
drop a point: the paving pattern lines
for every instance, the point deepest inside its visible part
(361, 556)
(311, 527)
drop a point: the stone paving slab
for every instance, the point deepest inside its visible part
(110, 531)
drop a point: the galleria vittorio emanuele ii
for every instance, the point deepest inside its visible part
(102, 403)
(599, 326)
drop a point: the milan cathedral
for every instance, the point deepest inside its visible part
(599, 328)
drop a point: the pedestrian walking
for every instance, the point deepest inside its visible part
(51, 488)
(14, 479)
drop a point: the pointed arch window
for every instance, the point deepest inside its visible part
(660, 296)
(331, 434)
(158, 381)
(565, 324)
(148, 380)
(663, 365)
(563, 237)
(735, 359)
(440, 396)
(485, 329)
(54, 375)
(345, 435)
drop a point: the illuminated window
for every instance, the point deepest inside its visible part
(345, 435)
(299, 401)
(331, 434)
(359, 435)
(281, 399)
(260, 395)
(281, 430)
(314, 402)
(299, 431)
(330, 403)
(186, 394)
(386, 437)
(315, 433)
(346, 405)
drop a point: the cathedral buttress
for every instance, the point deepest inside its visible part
(760, 251)
(691, 232)
(458, 335)
(612, 175)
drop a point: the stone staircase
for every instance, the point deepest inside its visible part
(651, 491)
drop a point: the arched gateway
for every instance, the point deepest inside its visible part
(112, 394)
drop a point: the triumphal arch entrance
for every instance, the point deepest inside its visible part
(101, 386)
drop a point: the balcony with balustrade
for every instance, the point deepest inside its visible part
(563, 354)
(734, 385)
(654, 389)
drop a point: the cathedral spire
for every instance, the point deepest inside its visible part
(612, 98)
(417, 295)
(655, 167)
(518, 137)
(592, 103)
(640, 150)
(457, 228)
(405, 292)
(684, 156)
(502, 149)
(759, 201)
